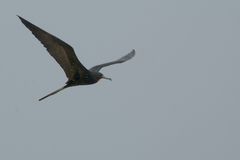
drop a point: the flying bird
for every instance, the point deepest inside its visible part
(65, 56)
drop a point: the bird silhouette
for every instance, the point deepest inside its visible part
(65, 56)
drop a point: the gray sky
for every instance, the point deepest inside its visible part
(177, 99)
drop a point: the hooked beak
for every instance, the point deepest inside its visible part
(107, 78)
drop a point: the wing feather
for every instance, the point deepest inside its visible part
(62, 52)
(125, 58)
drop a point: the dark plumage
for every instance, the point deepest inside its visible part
(65, 56)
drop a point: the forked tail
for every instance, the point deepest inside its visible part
(50, 94)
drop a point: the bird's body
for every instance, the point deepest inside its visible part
(85, 79)
(65, 56)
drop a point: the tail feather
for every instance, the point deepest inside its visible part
(54, 92)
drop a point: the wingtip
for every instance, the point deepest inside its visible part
(133, 52)
(22, 19)
(19, 16)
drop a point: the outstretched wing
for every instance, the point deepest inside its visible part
(120, 60)
(62, 52)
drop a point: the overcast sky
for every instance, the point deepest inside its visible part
(177, 99)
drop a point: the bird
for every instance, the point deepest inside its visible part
(65, 56)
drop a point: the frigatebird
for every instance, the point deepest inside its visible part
(65, 56)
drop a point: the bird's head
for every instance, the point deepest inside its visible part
(103, 77)
(98, 76)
